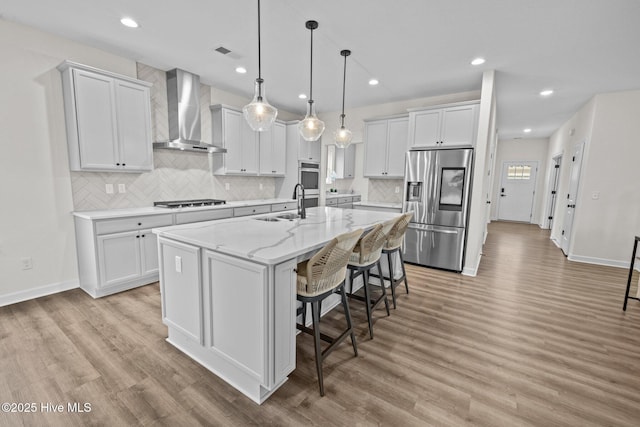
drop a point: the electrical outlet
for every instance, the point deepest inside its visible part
(397, 189)
(261, 186)
(178, 264)
(122, 188)
(108, 188)
(27, 263)
(227, 186)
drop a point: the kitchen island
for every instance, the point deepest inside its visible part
(228, 290)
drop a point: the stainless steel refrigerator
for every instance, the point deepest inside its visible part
(437, 189)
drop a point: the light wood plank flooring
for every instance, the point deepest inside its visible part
(532, 340)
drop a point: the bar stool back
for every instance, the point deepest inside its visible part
(365, 256)
(319, 277)
(393, 245)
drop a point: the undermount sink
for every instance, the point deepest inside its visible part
(267, 219)
(289, 216)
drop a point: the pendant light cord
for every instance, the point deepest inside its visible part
(259, 59)
(344, 83)
(311, 73)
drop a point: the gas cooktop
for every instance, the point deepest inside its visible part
(188, 203)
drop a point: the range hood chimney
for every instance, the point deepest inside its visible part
(183, 95)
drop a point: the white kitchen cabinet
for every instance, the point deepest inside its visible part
(272, 147)
(385, 147)
(231, 131)
(444, 127)
(345, 163)
(108, 120)
(117, 254)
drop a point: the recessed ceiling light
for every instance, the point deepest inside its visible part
(241, 70)
(527, 130)
(547, 92)
(302, 96)
(478, 61)
(373, 82)
(129, 22)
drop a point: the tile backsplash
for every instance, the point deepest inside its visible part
(176, 175)
(384, 190)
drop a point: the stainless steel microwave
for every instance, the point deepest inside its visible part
(309, 176)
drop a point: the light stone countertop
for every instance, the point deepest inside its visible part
(330, 195)
(380, 204)
(271, 243)
(127, 212)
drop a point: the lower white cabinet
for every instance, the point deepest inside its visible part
(117, 254)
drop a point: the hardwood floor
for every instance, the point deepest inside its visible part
(532, 340)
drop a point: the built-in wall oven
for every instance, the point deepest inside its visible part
(309, 177)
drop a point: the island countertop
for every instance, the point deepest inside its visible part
(272, 242)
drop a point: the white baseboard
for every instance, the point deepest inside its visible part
(38, 292)
(555, 242)
(472, 271)
(602, 261)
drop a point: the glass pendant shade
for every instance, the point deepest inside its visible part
(311, 127)
(259, 114)
(343, 137)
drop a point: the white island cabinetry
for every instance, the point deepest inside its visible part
(229, 301)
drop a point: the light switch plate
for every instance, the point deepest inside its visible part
(122, 188)
(178, 264)
(108, 188)
(227, 186)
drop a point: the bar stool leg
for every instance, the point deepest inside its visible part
(315, 314)
(384, 290)
(347, 313)
(367, 297)
(391, 279)
(404, 272)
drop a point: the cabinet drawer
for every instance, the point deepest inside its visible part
(277, 207)
(343, 200)
(331, 202)
(356, 198)
(188, 217)
(133, 223)
(251, 210)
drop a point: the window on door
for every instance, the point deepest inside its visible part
(520, 172)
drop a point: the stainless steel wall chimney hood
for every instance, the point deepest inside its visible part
(183, 95)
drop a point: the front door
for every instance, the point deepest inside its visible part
(570, 210)
(518, 184)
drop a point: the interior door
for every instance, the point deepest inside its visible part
(570, 210)
(553, 193)
(517, 190)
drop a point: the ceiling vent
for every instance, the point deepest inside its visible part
(223, 50)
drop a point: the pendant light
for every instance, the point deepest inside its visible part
(311, 127)
(259, 113)
(343, 135)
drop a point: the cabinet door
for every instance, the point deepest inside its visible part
(119, 257)
(232, 128)
(424, 128)
(249, 148)
(397, 147)
(134, 126)
(265, 148)
(458, 125)
(345, 162)
(375, 148)
(149, 252)
(96, 120)
(279, 148)
(309, 150)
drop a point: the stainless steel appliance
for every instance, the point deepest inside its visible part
(437, 190)
(188, 203)
(183, 96)
(309, 177)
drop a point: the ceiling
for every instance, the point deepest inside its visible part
(415, 48)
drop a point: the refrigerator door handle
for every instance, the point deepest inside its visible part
(432, 228)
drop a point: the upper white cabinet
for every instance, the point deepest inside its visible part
(273, 146)
(248, 152)
(231, 131)
(385, 147)
(443, 127)
(108, 120)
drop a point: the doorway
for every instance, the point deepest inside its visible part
(517, 190)
(553, 192)
(570, 210)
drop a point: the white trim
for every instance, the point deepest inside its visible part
(472, 271)
(601, 261)
(556, 242)
(41, 291)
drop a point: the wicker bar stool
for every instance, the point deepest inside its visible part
(393, 245)
(365, 256)
(318, 278)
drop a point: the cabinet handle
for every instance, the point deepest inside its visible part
(137, 237)
(139, 223)
(117, 164)
(143, 235)
(124, 164)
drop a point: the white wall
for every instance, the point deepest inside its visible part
(34, 169)
(517, 150)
